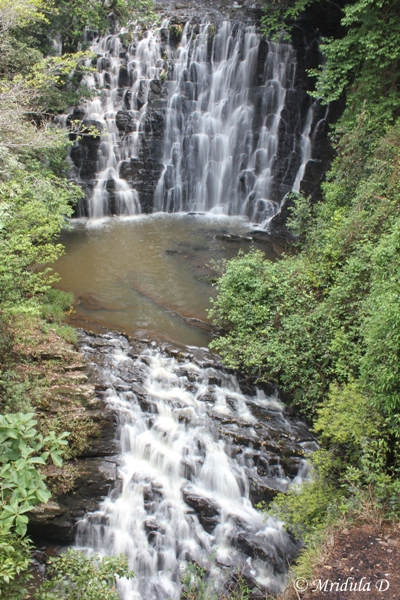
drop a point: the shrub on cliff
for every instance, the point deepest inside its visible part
(74, 576)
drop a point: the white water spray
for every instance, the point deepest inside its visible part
(185, 483)
(226, 137)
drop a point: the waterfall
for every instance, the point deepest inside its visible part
(212, 162)
(212, 124)
(123, 76)
(194, 452)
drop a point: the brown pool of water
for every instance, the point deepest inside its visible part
(149, 276)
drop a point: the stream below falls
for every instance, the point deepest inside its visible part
(196, 455)
(205, 116)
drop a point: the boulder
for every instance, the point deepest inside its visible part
(207, 510)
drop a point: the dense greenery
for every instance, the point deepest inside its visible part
(70, 19)
(361, 60)
(73, 576)
(22, 450)
(33, 202)
(323, 322)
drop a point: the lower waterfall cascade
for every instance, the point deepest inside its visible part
(201, 117)
(196, 454)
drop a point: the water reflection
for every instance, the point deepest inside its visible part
(149, 275)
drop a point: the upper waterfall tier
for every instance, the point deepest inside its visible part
(195, 118)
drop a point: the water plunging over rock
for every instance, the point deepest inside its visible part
(200, 117)
(125, 76)
(195, 454)
(221, 139)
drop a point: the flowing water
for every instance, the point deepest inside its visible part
(233, 137)
(212, 162)
(210, 124)
(195, 453)
(144, 63)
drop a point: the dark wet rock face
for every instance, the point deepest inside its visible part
(180, 457)
(56, 520)
(207, 510)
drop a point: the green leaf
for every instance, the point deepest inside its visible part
(56, 458)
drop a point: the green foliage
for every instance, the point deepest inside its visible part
(347, 417)
(73, 576)
(80, 429)
(14, 392)
(18, 13)
(306, 509)
(269, 312)
(360, 443)
(6, 337)
(15, 560)
(361, 61)
(365, 58)
(380, 368)
(22, 450)
(55, 304)
(33, 202)
(56, 79)
(278, 20)
(70, 19)
(302, 214)
(67, 332)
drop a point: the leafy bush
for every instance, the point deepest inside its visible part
(15, 560)
(80, 429)
(22, 485)
(361, 60)
(6, 337)
(73, 576)
(71, 19)
(22, 452)
(307, 508)
(33, 202)
(14, 392)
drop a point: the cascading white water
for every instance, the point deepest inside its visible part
(225, 135)
(124, 77)
(305, 149)
(212, 162)
(185, 475)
